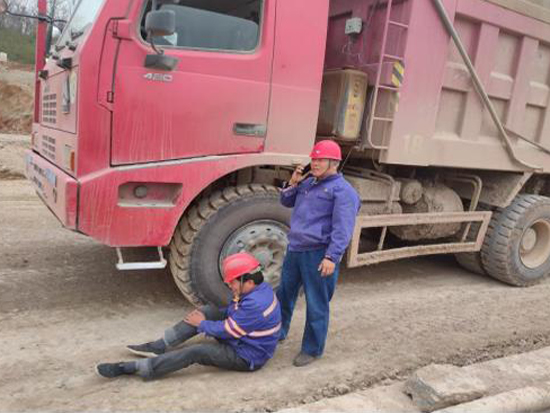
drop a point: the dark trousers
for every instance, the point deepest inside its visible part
(207, 354)
(301, 269)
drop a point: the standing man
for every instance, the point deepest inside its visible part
(325, 206)
(246, 331)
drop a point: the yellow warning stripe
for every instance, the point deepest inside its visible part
(399, 67)
(395, 81)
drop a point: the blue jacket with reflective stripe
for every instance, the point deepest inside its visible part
(251, 325)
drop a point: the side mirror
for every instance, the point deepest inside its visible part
(3, 6)
(56, 34)
(160, 23)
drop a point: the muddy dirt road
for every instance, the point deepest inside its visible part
(64, 307)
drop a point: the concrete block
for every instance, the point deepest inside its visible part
(441, 385)
(527, 399)
(377, 400)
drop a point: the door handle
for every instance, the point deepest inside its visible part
(250, 129)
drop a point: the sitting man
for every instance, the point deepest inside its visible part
(247, 331)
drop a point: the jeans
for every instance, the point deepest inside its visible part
(301, 269)
(207, 354)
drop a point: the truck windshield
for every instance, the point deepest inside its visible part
(81, 20)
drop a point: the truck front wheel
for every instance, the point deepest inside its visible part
(243, 218)
(516, 249)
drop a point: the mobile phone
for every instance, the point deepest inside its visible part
(307, 169)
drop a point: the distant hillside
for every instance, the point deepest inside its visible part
(20, 48)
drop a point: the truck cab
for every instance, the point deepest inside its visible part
(121, 149)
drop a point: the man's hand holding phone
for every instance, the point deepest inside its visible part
(300, 173)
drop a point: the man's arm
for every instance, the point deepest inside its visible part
(242, 322)
(288, 196)
(346, 207)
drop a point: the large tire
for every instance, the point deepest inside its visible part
(243, 218)
(516, 249)
(471, 261)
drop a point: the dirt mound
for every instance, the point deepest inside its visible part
(19, 66)
(7, 174)
(12, 156)
(16, 111)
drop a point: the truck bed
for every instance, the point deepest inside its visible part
(437, 117)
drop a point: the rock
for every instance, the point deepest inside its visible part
(327, 392)
(309, 399)
(441, 385)
(342, 389)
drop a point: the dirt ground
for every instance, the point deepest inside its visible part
(64, 308)
(16, 98)
(12, 152)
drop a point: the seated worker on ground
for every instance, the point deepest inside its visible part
(247, 331)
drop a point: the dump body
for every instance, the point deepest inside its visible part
(438, 117)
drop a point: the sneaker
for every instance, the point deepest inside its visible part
(146, 350)
(110, 370)
(303, 359)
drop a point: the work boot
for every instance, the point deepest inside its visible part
(111, 370)
(152, 349)
(303, 359)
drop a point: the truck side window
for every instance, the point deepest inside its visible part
(224, 25)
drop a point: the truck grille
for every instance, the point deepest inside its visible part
(49, 108)
(48, 147)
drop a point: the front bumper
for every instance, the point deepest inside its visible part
(58, 190)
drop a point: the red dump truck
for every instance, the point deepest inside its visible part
(171, 124)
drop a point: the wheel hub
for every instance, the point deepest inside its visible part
(529, 240)
(266, 240)
(535, 244)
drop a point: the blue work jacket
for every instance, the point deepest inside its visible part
(323, 216)
(251, 326)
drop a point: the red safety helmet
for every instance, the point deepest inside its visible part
(326, 149)
(237, 265)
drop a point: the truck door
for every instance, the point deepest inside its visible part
(214, 102)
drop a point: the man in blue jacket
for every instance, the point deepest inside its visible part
(246, 332)
(323, 218)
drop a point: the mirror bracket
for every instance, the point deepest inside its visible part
(161, 62)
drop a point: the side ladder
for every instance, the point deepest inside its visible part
(397, 77)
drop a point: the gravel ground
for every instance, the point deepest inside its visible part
(64, 308)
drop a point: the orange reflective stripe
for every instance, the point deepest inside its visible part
(263, 333)
(229, 330)
(236, 327)
(271, 308)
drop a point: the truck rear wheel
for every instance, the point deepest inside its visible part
(471, 261)
(516, 249)
(243, 218)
